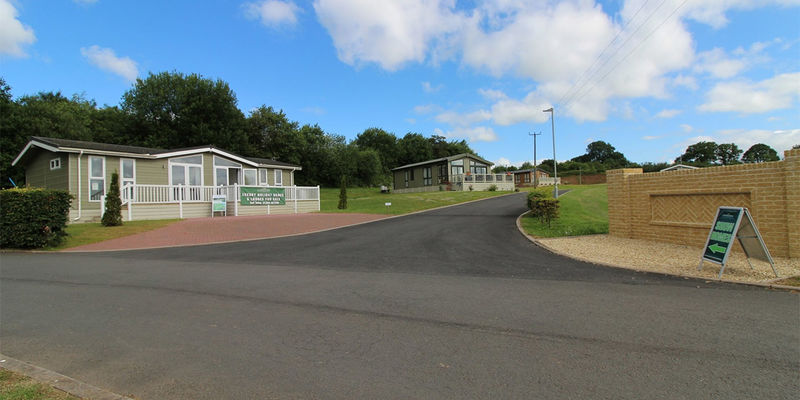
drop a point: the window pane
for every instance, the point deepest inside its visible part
(96, 189)
(222, 176)
(178, 175)
(278, 177)
(96, 165)
(250, 177)
(127, 169)
(195, 176)
(225, 163)
(188, 160)
(263, 176)
(233, 176)
(457, 162)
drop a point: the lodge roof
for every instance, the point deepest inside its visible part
(74, 146)
(455, 157)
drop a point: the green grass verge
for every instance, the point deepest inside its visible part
(81, 234)
(582, 211)
(14, 386)
(791, 281)
(371, 201)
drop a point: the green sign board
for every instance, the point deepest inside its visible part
(218, 203)
(722, 234)
(262, 196)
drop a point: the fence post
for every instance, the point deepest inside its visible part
(295, 199)
(235, 199)
(180, 201)
(319, 206)
(102, 205)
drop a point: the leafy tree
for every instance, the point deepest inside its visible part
(384, 143)
(546, 165)
(797, 146)
(113, 213)
(728, 153)
(654, 167)
(173, 110)
(702, 153)
(413, 148)
(11, 140)
(760, 152)
(272, 135)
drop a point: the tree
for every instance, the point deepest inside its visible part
(384, 143)
(173, 110)
(760, 152)
(413, 148)
(728, 153)
(702, 153)
(271, 135)
(113, 213)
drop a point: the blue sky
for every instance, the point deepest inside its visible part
(648, 76)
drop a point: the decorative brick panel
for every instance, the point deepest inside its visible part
(692, 209)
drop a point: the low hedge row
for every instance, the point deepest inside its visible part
(32, 218)
(542, 205)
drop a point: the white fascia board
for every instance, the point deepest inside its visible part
(273, 166)
(207, 150)
(105, 153)
(37, 144)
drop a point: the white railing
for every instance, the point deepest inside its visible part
(481, 178)
(162, 194)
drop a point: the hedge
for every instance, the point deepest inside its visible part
(542, 205)
(32, 218)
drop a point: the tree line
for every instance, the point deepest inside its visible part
(171, 110)
(601, 156)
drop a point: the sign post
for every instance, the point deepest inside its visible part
(218, 205)
(734, 223)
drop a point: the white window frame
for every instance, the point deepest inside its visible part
(185, 170)
(122, 178)
(226, 168)
(427, 176)
(278, 177)
(102, 178)
(55, 163)
(244, 176)
(263, 180)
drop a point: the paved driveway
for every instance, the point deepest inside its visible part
(452, 303)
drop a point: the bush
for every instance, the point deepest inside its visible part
(542, 205)
(492, 188)
(33, 218)
(113, 213)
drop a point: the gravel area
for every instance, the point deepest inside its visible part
(667, 258)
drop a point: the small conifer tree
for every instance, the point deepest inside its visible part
(113, 213)
(343, 195)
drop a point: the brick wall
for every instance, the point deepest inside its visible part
(679, 206)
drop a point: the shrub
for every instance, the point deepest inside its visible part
(471, 188)
(543, 206)
(343, 195)
(33, 218)
(492, 188)
(113, 213)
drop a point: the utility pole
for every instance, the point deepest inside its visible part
(555, 163)
(535, 175)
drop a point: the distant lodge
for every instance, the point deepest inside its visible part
(459, 172)
(158, 183)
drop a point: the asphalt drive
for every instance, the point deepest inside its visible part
(451, 303)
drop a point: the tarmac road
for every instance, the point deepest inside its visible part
(451, 303)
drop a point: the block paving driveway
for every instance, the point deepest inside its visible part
(450, 303)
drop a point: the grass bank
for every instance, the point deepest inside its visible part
(81, 234)
(371, 200)
(582, 211)
(14, 386)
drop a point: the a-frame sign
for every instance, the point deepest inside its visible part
(734, 223)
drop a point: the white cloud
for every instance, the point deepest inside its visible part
(389, 33)
(461, 120)
(13, 34)
(779, 140)
(492, 94)
(779, 92)
(105, 59)
(472, 134)
(428, 88)
(668, 113)
(716, 63)
(651, 137)
(273, 13)
(685, 81)
(687, 128)
(426, 109)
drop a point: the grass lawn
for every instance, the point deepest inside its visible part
(81, 234)
(371, 201)
(14, 386)
(582, 211)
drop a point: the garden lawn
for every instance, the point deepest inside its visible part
(81, 234)
(371, 201)
(582, 211)
(14, 386)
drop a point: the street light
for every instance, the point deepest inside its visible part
(555, 163)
